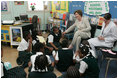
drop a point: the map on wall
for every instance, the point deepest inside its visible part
(4, 6)
(96, 7)
(60, 6)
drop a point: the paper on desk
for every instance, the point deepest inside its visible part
(41, 39)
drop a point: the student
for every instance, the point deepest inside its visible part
(42, 40)
(63, 57)
(40, 66)
(24, 49)
(72, 72)
(3, 69)
(12, 72)
(54, 38)
(39, 49)
(76, 57)
(107, 36)
(88, 65)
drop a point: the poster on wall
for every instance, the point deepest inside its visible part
(16, 35)
(19, 2)
(60, 6)
(96, 7)
(4, 6)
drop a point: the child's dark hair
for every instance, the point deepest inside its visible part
(84, 49)
(64, 43)
(55, 27)
(38, 46)
(41, 62)
(25, 34)
(72, 72)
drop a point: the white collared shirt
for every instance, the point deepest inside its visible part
(33, 57)
(23, 45)
(51, 37)
(83, 65)
(2, 70)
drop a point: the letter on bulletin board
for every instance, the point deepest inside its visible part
(60, 6)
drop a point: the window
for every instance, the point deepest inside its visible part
(37, 5)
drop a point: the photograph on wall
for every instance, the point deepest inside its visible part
(16, 35)
(4, 6)
(2, 37)
(7, 37)
(19, 2)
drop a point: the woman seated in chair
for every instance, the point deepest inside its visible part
(107, 36)
(83, 29)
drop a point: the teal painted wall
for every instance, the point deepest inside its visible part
(16, 10)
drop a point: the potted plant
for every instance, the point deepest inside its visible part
(32, 6)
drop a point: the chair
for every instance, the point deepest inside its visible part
(70, 34)
(109, 57)
(93, 30)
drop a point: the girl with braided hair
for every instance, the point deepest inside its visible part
(41, 63)
(88, 65)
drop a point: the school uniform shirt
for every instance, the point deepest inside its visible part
(77, 58)
(65, 59)
(36, 74)
(23, 45)
(56, 53)
(33, 57)
(51, 38)
(2, 70)
(54, 37)
(89, 67)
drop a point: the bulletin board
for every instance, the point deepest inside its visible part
(75, 5)
(60, 6)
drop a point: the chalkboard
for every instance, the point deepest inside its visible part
(75, 5)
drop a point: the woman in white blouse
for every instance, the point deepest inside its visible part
(83, 29)
(107, 36)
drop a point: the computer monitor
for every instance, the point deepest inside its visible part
(24, 17)
(17, 18)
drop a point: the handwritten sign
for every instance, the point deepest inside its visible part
(96, 7)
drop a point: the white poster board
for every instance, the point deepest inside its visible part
(16, 35)
(96, 7)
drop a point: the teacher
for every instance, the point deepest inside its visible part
(83, 29)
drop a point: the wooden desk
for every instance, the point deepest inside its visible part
(5, 31)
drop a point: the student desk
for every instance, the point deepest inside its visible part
(5, 31)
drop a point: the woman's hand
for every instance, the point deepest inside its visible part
(101, 38)
(64, 33)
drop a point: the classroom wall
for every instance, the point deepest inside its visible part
(16, 10)
(75, 5)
